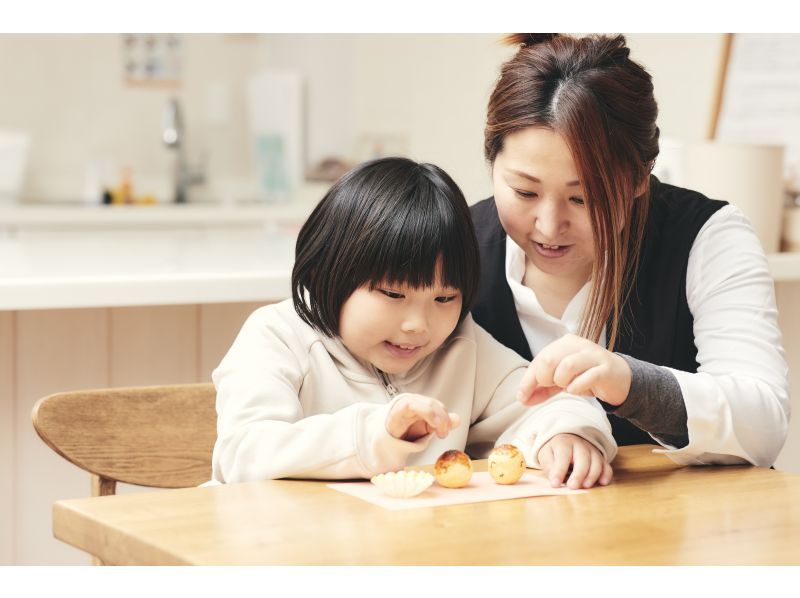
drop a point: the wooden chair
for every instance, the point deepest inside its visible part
(157, 436)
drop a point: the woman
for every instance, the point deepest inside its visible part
(582, 248)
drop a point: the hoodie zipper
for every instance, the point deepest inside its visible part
(390, 390)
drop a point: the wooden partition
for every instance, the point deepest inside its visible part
(46, 351)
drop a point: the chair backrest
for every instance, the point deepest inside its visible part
(157, 436)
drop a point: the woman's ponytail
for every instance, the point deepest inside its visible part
(528, 39)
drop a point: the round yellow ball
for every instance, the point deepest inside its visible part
(506, 464)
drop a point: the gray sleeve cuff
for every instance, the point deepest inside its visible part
(655, 403)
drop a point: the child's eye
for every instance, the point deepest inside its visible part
(577, 200)
(392, 294)
(525, 194)
(446, 298)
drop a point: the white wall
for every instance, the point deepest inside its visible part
(684, 67)
(427, 91)
(431, 91)
(67, 91)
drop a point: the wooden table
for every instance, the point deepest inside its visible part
(654, 513)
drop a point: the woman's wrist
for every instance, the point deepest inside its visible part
(654, 402)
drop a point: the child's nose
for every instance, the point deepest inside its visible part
(415, 321)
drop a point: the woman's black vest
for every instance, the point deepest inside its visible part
(656, 324)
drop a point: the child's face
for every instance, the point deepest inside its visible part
(395, 326)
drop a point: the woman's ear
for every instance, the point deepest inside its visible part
(643, 186)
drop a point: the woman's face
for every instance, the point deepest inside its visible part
(541, 203)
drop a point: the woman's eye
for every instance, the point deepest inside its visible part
(577, 200)
(446, 299)
(525, 194)
(392, 294)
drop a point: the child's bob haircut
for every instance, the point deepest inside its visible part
(385, 221)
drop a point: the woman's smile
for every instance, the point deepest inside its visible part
(551, 251)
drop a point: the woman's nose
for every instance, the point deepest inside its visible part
(550, 221)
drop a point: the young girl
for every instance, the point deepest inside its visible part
(375, 362)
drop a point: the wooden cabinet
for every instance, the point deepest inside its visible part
(46, 351)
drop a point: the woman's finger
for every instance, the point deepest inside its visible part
(572, 366)
(586, 383)
(541, 394)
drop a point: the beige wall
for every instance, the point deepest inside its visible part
(428, 90)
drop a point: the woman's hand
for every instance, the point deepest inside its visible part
(414, 416)
(588, 465)
(578, 366)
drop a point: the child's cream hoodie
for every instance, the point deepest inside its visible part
(292, 402)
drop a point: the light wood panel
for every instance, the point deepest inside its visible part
(56, 350)
(154, 345)
(653, 514)
(788, 297)
(7, 434)
(219, 325)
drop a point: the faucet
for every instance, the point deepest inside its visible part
(174, 137)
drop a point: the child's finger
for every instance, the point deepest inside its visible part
(581, 462)
(595, 469)
(557, 472)
(455, 420)
(607, 475)
(435, 415)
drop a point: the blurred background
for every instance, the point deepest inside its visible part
(151, 186)
(93, 106)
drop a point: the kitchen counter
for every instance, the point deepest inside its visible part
(52, 258)
(33, 216)
(114, 256)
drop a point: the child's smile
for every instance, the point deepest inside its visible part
(402, 351)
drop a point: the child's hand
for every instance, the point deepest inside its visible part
(578, 366)
(414, 416)
(588, 465)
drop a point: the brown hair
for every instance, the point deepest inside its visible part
(601, 102)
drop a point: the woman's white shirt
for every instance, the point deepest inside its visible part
(737, 404)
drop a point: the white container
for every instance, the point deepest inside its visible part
(14, 148)
(791, 229)
(748, 176)
(276, 120)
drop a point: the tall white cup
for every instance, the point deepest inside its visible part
(748, 176)
(14, 147)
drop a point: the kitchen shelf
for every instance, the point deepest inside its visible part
(784, 267)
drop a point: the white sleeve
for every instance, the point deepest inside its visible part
(499, 418)
(737, 404)
(263, 432)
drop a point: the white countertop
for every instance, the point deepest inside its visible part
(38, 216)
(52, 258)
(163, 255)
